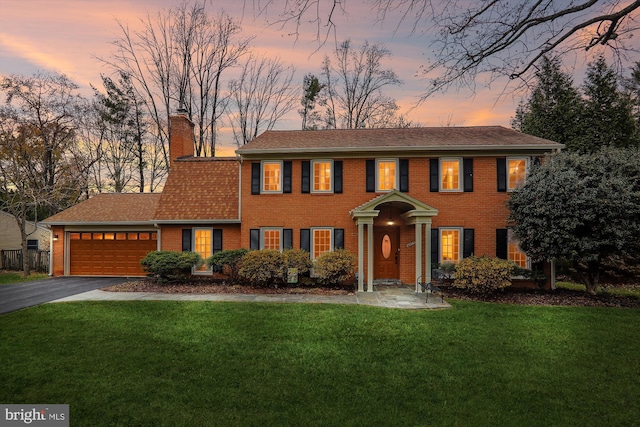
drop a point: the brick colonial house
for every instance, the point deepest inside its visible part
(401, 199)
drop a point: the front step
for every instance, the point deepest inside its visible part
(387, 282)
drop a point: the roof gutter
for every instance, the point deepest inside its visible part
(289, 150)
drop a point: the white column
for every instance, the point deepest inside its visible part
(418, 247)
(370, 257)
(427, 250)
(360, 257)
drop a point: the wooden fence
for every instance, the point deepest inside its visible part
(12, 260)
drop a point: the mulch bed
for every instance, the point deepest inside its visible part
(561, 297)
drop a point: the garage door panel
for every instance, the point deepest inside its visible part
(96, 254)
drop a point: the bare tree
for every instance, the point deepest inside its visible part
(43, 166)
(490, 38)
(354, 81)
(178, 61)
(260, 97)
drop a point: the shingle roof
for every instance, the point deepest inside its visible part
(442, 138)
(112, 208)
(201, 189)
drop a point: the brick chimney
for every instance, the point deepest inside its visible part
(180, 136)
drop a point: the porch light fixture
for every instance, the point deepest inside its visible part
(55, 237)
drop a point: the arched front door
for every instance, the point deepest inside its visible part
(386, 254)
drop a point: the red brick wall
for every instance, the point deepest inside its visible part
(484, 209)
(172, 235)
(58, 251)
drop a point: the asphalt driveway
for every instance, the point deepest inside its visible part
(26, 294)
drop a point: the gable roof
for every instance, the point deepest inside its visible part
(201, 189)
(109, 209)
(405, 139)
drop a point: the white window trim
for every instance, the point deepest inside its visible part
(460, 248)
(207, 270)
(460, 173)
(313, 162)
(263, 229)
(377, 173)
(526, 171)
(313, 246)
(262, 190)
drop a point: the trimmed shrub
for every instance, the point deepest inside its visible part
(263, 267)
(334, 268)
(169, 266)
(227, 262)
(297, 258)
(483, 275)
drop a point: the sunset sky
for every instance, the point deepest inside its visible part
(66, 36)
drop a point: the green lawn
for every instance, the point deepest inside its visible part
(8, 277)
(206, 364)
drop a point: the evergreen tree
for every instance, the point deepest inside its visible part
(311, 87)
(607, 117)
(553, 110)
(632, 90)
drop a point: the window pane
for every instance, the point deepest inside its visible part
(86, 236)
(386, 175)
(272, 239)
(121, 236)
(203, 245)
(271, 177)
(517, 172)
(144, 236)
(516, 254)
(109, 236)
(450, 245)
(322, 176)
(132, 236)
(97, 236)
(74, 236)
(321, 241)
(450, 174)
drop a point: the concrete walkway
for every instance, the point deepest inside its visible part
(402, 297)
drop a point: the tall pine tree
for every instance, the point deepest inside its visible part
(553, 111)
(607, 116)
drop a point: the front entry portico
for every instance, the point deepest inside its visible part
(407, 211)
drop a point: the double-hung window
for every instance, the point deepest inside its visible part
(387, 174)
(450, 174)
(322, 173)
(203, 244)
(450, 244)
(322, 241)
(516, 172)
(272, 177)
(514, 253)
(272, 238)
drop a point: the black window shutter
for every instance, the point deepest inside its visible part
(502, 175)
(337, 176)
(217, 240)
(467, 242)
(305, 183)
(404, 175)
(255, 178)
(305, 239)
(254, 237)
(371, 176)
(467, 170)
(501, 243)
(186, 240)
(536, 161)
(434, 175)
(435, 246)
(287, 238)
(338, 238)
(286, 177)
